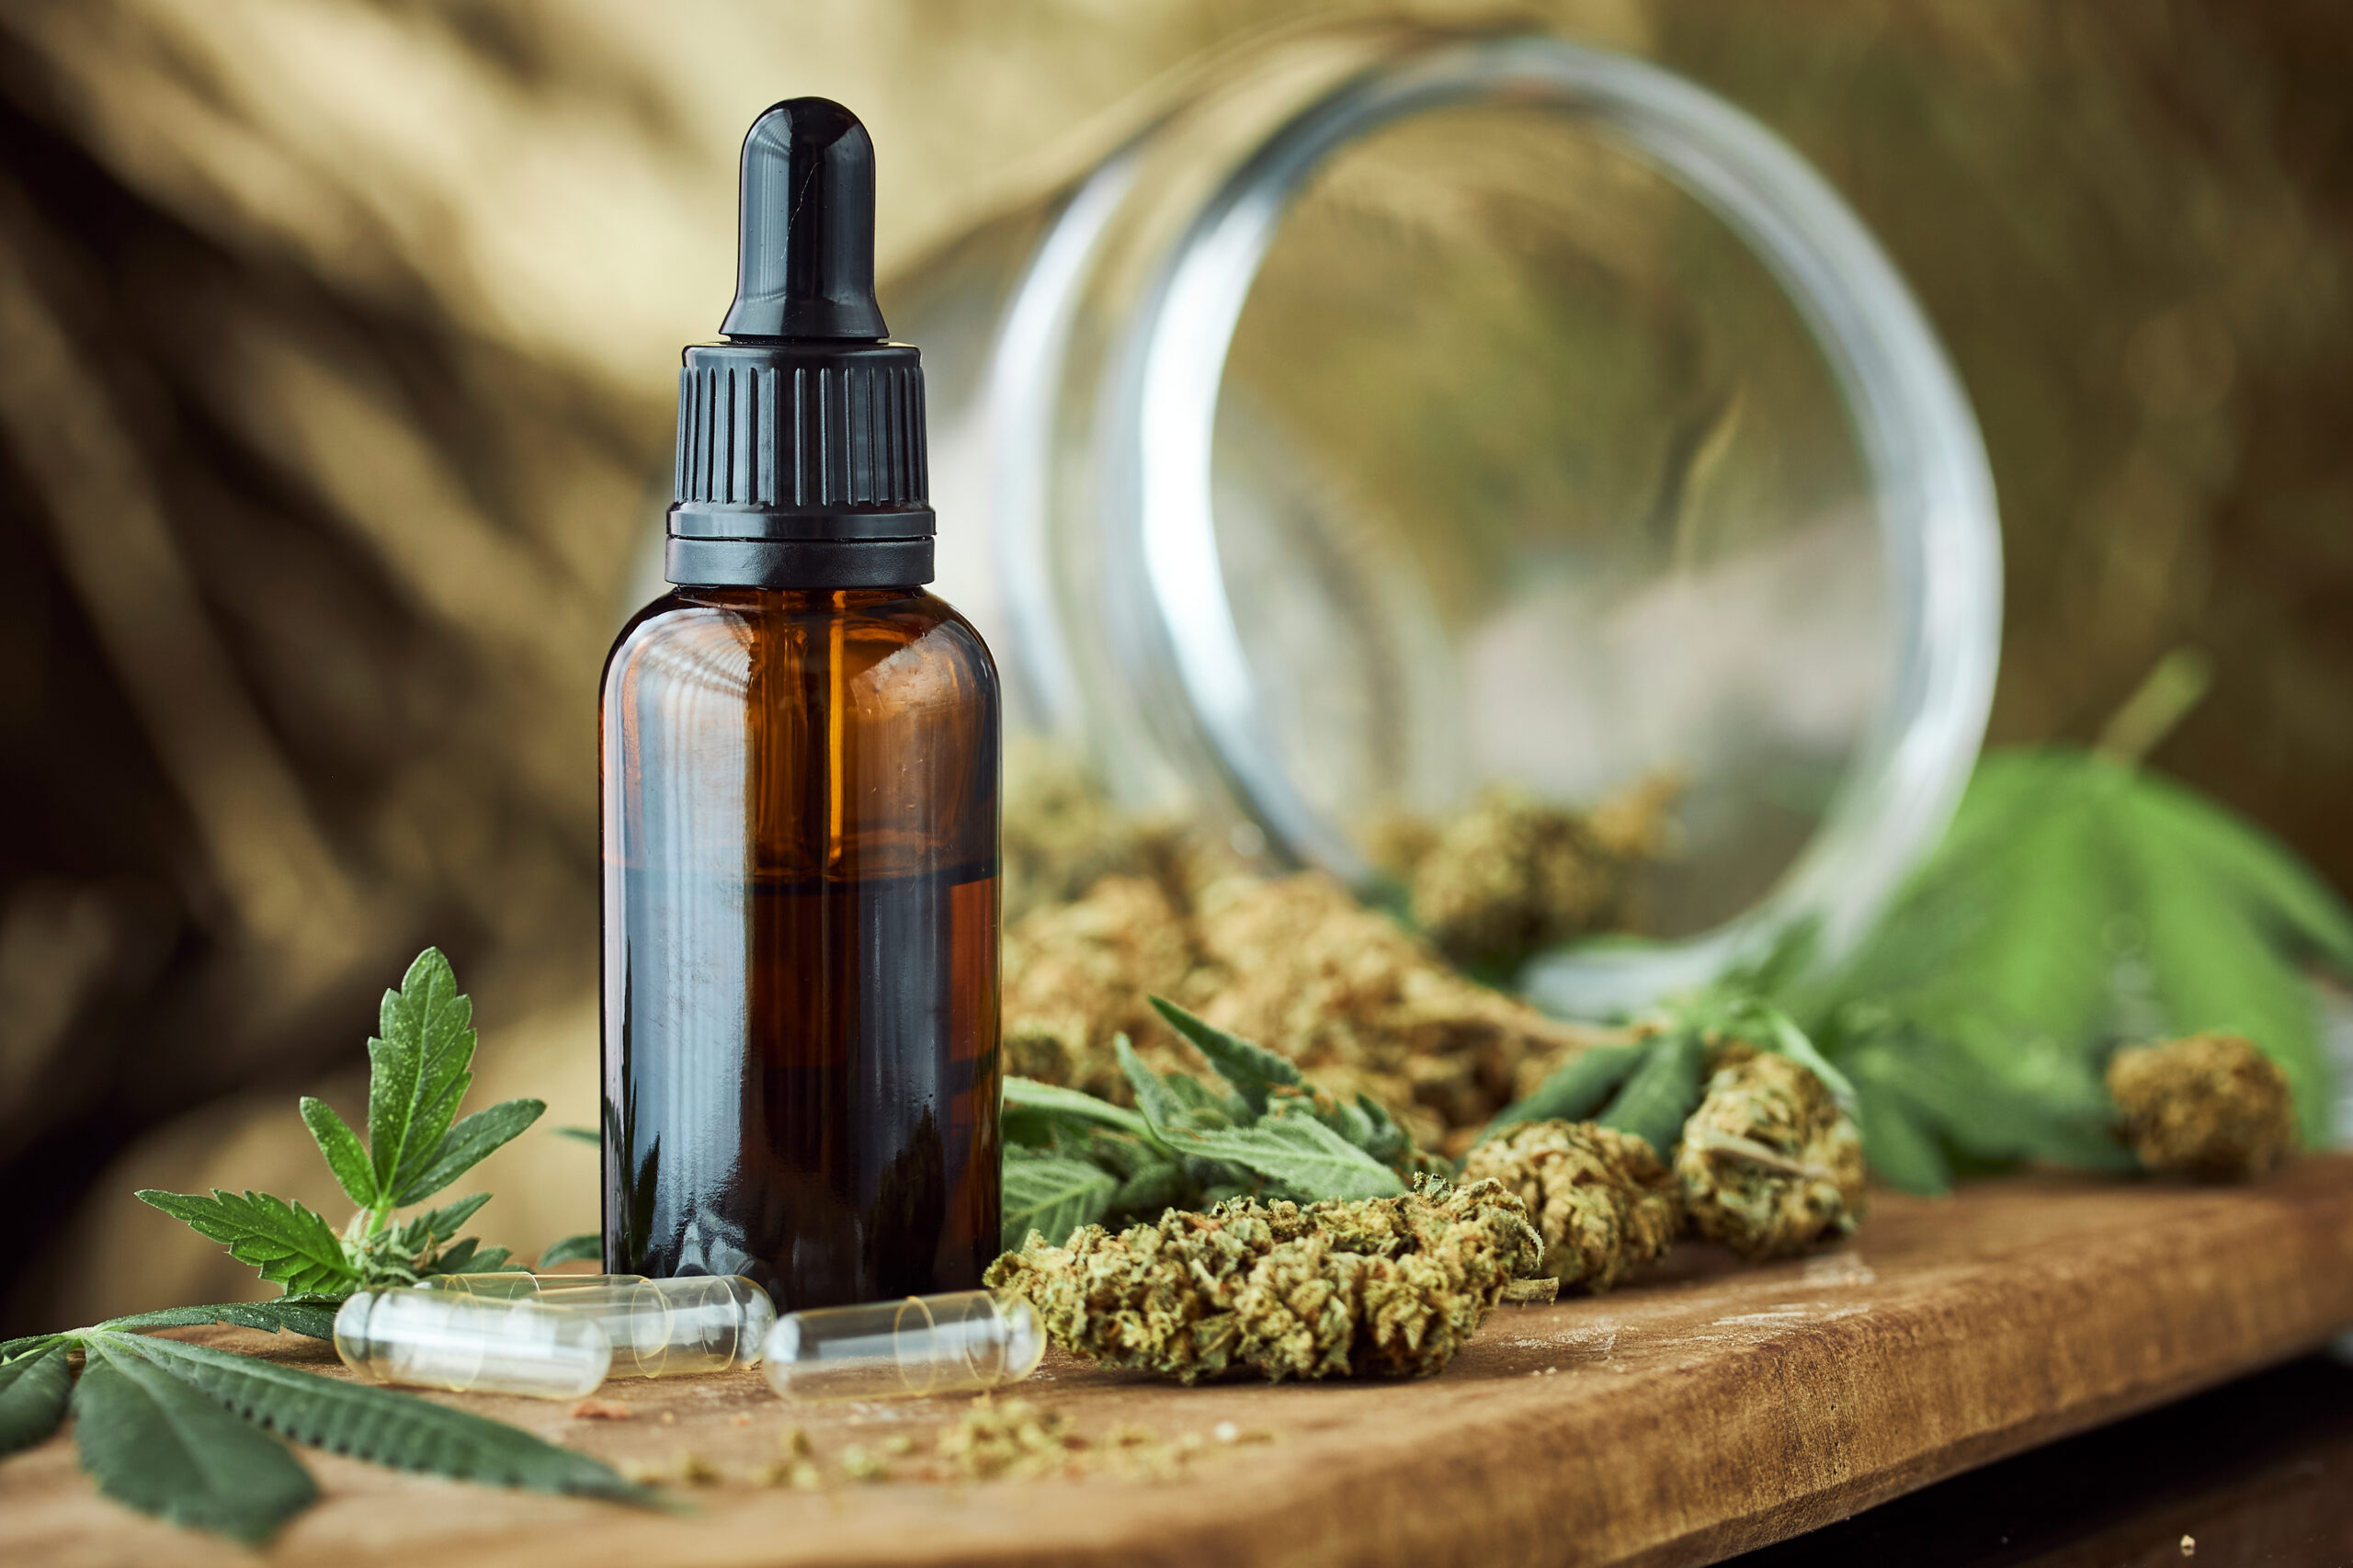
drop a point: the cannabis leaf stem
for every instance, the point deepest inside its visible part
(183, 1431)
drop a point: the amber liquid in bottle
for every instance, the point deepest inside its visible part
(801, 1070)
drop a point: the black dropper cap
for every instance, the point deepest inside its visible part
(801, 458)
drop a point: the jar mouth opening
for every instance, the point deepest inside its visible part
(1918, 443)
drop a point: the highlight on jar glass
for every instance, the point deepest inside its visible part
(658, 1328)
(465, 1344)
(965, 1342)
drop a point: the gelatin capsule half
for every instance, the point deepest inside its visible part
(470, 1345)
(963, 1342)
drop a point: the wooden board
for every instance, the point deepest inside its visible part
(1709, 1410)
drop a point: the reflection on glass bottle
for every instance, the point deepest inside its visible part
(803, 919)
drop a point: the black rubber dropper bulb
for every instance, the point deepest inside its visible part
(801, 458)
(805, 267)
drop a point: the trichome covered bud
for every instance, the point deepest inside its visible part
(1078, 975)
(1296, 964)
(2212, 1107)
(1769, 1164)
(1062, 834)
(1513, 874)
(1387, 1287)
(1601, 1199)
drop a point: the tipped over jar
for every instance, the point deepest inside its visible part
(1392, 417)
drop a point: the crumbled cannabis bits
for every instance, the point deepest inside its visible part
(1601, 1199)
(1078, 975)
(1769, 1163)
(1012, 1440)
(1378, 1287)
(859, 1463)
(795, 1464)
(1015, 1440)
(2212, 1107)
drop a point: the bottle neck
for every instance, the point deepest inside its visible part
(840, 600)
(799, 563)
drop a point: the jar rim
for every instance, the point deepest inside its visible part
(1920, 448)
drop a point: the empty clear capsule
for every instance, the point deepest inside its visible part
(958, 1343)
(471, 1344)
(659, 1328)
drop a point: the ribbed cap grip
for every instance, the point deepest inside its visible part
(799, 441)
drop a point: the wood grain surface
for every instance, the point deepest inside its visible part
(1708, 1410)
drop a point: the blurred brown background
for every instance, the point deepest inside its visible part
(336, 354)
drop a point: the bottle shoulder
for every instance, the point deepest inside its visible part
(719, 635)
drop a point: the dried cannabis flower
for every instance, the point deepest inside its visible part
(1513, 875)
(1600, 1198)
(1378, 1287)
(1078, 975)
(1061, 832)
(1365, 1006)
(2211, 1106)
(1769, 1163)
(1509, 876)
(1103, 909)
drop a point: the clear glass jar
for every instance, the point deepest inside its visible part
(1401, 410)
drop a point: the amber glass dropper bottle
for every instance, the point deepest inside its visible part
(799, 773)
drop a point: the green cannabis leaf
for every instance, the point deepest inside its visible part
(1662, 1092)
(1035, 1111)
(291, 1246)
(152, 1442)
(589, 1245)
(420, 1067)
(1574, 1090)
(183, 1431)
(419, 1070)
(1301, 1157)
(1263, 1131)
(311, 1316)
(1252, 1069)
(1649, 1087)
(2077, 902)
(383, 1425)
(1053, 1194)
(33, 1390)
(345, 1155)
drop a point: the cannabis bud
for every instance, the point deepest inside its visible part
(1513, 874)
(1769, 1162)
(1077, 977)
(2211, 1106)
(1062, 831)
(1389, 1286)
(1601, 1199)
